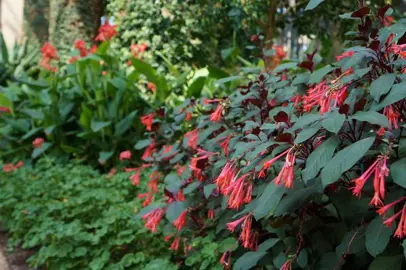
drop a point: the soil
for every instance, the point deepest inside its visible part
(16, 259)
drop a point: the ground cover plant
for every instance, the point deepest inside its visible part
(304, 166)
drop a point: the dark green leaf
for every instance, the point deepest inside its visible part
(345, 160)
(319, 158)
(104, 156)
(305, 120)
(141, 144)
(318, 75)
(307, 133)
(174, 210)
(269, 200)
(313, 4)
(38, 151)
(268, 244)
(333, 121)
(248, 260)
(398, 172)
(382, 85)
(387, 263)
(377, 236)
(302, 258)
(122, 126)
(372, 117)
(208, 189)
(96, 125)
(397, 93)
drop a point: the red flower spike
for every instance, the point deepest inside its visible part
(392, 115)
(216, 115)
(135, 178)
(180, 222)
(389, 221)
(149, 150)
(224, 145)
(147, 198)
(226, 176)
(152, 219)
(232, 225)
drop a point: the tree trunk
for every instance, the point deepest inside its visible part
(270, 34)
(36, 20)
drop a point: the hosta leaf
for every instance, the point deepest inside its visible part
(372, 117)
(377, 236)
(319, 158)
(345, 160)
(248, 260)
(269, 199)
(382, 85)
(398, 172)
(333, 121)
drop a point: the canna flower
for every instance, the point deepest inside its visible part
(175, 244)
(192, 137)
(38, 142)
(106, 32)
(125, 155)
(392, 115)
(80, 45)
(73, 59)
(4, 109)
(93, 49)
(146, 120)
(151, 86)
(344, 55)
(380, 171)
(180, 222)
(152, 219)
(48, 51)
(147, 198)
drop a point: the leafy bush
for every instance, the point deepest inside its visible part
(76, 218)
(276, 161)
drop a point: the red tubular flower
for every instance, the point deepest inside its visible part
(135, 178)
(147, 198)
(392, 115)
(224, 145)
(232, 225)
(248, 238)
(240, 192)
(226, 176)
(380, 171)
(193, 138)
(175, 244)
(381, 132)
(226, 258)
(180, 169)
(179, 196)
(401, 229)
(210, 214)
(106, 32)
(216, 115)
(9, 167)
(381, 211)
(287, 174)
(344, 55)
(80, 45)
(146, 120)
(19, 164)
(38, 142)
(152, 219)
(125, 155)
(93, 49)
(149, 150)
(153, 183)
(180, 222)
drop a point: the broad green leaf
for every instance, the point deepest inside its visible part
(333, 121)
(319, 158)
(318, 75)
(328, 261)
(387, 263)
(248, 260)
(269, 200)
(172, 182)
(98, 125)
(30, 133)
(147, 70)
(208, 189)
(141, 144)
(372, 117)
(268, 244)
(174, 210)
(282, 67)
(305, 120)
(345, 160)
(228, 79)
(402, 147)
(302, 258)
(398, 172)
(296, 199)
(355, 239)
(5, 101)
(382, 85)
(3, 50)
(377, 236)
(122, 126)
(104, 156)
(196, 87)
(313, 4)
(307, 133)
(398, 92)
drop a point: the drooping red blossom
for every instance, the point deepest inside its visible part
(248, 238)
(392, 115)
(125, 155)
(381, 132)
(226, 258)
(380, 170)
(106, 32)
(226, 177)
(73, 59)
(344, 55)
(80, 45)
(135, 178)
(401, 229)
(188, 116)
(153, 218)
(38, 142)
(147, 198)
(210, 214)
(216, 115)
(112, 172)
(192, 137)
(240, 191)
(175, 244)
(280, 53)
(180, 169)
(287, 265)
(286, 174)
(149, 150)
(180, 222)
(179, 196)
(382, 211)
(19, 164)
(153, 182)
(147, 120)
(224, 145)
